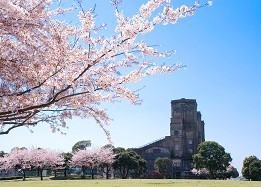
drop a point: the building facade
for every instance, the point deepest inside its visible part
(186, 133)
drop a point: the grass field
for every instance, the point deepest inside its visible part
(130, 183)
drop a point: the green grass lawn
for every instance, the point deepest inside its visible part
(129, 183)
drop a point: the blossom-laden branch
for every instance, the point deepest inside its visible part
(49, 67)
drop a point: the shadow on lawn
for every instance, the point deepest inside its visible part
(70, 178)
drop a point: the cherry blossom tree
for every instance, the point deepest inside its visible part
(52, 70)
(46, 159)
(107, 158)
(92, 159)
(23, 160)
(19, 159)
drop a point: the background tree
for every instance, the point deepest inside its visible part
(81, 145)
(2, 153)
(23, 160)
(118, 150)
(52, 70)
(19, 159)
(18, 148)
(67, 157)
(164, 167)
(108, 146)
(211, 156)
(142, 166)
(127, 161)
(46, 159)
(107, 158)
(231, 172)
(246, 163)
(255, 170)
(107, 167)
(92, 159)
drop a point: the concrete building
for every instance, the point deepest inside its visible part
(186, 133)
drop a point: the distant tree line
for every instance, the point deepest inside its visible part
(23, 160)
(211, 161)
(103, 161)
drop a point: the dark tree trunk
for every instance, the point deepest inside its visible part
(38, 172)
(55, 173)
(41, 174)
(23, 175)
(83, 172)
(92, 173)
(127, 174)
(65, 172)
(107, 172)
(124, 173)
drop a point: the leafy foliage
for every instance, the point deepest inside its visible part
(128, 162)
(2, 153)
(81, 145)
(231, 172)
(255, 170)
(67, 157)
(164, 167)
(251, 169)
(212, 157)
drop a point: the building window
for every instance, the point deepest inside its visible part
(190, 142)
(190, 150)
(177, 132)
(176, 147)
(189, 134)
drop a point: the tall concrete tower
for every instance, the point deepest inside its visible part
(186, 131)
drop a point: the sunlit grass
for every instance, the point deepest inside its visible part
(130, 183)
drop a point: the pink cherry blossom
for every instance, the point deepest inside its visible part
(19, 159)
(92, 159)
(23, 160)
(52, 71)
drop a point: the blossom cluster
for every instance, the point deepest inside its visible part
(52, 71)
(92, 158)
(24, 159)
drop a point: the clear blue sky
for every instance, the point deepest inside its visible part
(221, 45)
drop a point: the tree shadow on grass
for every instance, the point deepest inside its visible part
(70, 178)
